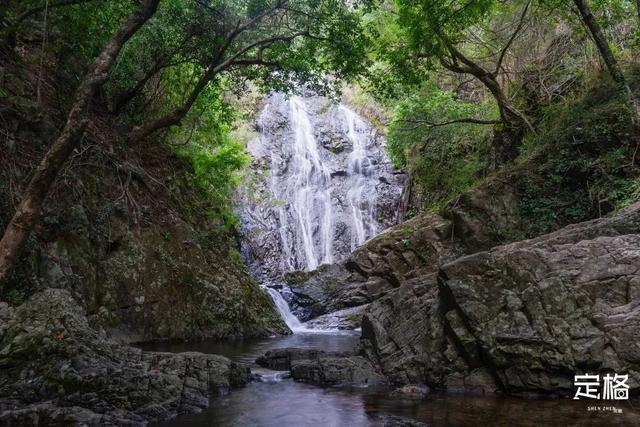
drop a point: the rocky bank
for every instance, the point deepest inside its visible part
(56, 370)
(519, 318)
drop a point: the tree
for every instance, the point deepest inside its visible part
(277, 43)
(437, 33)
(607, 55)
(29, 211)
(600, 42)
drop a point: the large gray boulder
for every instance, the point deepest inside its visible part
(403, 252)
(56, 369)
(520, 318)
(323, 368)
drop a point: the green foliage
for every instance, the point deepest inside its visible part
(580, 163)
(443, 160)
(86, 28)
(632, 193)
(410, 42)
(217, 159)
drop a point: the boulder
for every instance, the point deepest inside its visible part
(280, 359)
(323, 368)
(56, 369)
(487, 215)
(386, 420)
(405, 251)
(345, 319)
(411, 391)
(520, 318)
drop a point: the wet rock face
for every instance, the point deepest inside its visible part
(322, 186)
(166, 281)
(405, 251)
(55, 369)
(524, 317)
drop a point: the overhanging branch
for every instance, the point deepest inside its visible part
(512, 38)
(430, 124)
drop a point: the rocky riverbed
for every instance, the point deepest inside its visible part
(57, 370)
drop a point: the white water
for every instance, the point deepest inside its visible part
(292, 321)
(285, 312)
(311, 188)
(361, 192)
(317, 218)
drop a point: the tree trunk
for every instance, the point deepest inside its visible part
(506, 141)
(601, 42)
(127, 96)
(607, 56)
(29, 211)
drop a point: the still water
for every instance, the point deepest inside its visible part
(282, 402)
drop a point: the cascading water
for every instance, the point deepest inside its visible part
(310, 185)
(324, 186)
(283, 308)
(361, 193)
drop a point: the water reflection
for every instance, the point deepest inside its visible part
(283, 402)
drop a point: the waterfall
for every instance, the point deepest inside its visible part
(323, 186)
(310, 185)
(361, 196)
(285, 312)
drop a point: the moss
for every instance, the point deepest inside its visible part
(408, 231)
(297, 278)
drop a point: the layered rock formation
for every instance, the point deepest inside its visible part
(408, 250)
(56, 370)
(524, 317)
(323, 368)
(519, 318)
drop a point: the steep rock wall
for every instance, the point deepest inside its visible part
(131, 238)
(322, 186)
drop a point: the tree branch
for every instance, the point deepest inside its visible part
(176, 116)
(29, 212)
(430, 124)
(512, 38)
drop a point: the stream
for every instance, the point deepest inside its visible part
(277, 401)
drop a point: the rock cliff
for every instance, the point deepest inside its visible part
(523, 317)
(128, 234)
